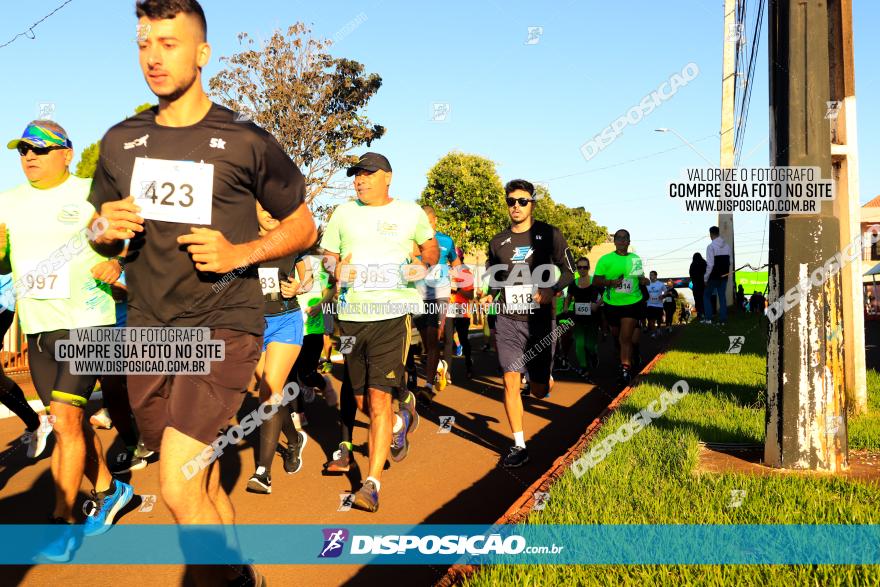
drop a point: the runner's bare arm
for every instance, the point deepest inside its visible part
(430, 251)
(211, 251)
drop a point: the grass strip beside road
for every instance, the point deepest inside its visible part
(651, 479)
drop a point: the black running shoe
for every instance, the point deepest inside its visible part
(292, 455)
(517, 457)
(625, 375)
(260, 482)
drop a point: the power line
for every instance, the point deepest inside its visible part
(628, 161)
(29, 33)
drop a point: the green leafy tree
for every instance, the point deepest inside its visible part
(88, 159)
(467, 196)
(576, 224)
(311, 102)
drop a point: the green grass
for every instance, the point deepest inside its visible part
(651, 479)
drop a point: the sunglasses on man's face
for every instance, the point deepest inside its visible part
(523, 202)
(23, 149)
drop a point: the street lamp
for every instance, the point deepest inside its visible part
(686, 142)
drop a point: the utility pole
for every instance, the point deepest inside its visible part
(844, 156)
(806, 406)
(728, 106)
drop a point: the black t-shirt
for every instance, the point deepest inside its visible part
(248, 165)
(670, 296)
(584, 295)
(272, 273)
(519, 253)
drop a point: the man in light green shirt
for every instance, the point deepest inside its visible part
(621, 273)
(57, 282)
(370, 241)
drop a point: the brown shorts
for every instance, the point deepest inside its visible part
(199, 406)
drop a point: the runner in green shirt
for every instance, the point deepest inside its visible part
(621, 273)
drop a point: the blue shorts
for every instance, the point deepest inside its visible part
(284, 328)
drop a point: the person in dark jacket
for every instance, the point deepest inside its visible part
(697, 272)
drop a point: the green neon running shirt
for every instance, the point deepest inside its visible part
(613, 266)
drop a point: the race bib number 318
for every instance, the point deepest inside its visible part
(173, 191)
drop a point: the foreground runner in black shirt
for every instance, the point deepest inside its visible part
(519, 258)
(181, 182)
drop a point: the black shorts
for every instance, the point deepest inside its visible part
(199, 406)
(52, 378)
(614, 313)
(491, 319)
(377, 354)
(525, 346)
(653, 313)
(434, 309)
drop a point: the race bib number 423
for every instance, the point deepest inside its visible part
(173, 191)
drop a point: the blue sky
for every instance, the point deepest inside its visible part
(528, 107)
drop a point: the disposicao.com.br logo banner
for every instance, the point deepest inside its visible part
(453, 544)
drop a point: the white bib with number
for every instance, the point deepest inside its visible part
(655, 298)
(54, 286)
(269, 280)
(456, 310)
(520, 298)
(173, 191)
(582, 309)
(625, 287)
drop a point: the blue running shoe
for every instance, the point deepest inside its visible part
(399, 441)
(61, 549)
(107, 507)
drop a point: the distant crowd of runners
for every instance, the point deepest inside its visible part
(197, 218)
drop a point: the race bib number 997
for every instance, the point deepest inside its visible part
(173, 191)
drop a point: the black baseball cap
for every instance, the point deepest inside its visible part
(370, 162)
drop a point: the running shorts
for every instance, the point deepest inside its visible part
(284, 328)
(614, 313)
(377, 354)
(434, 310)
(654, 313)
(524, 346)
(199, 406)
(52, 378)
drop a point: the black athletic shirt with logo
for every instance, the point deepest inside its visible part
(584, 295)
(272, 273)
(249, 165)
(542, 244)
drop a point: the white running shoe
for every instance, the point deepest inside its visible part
(101, 419)
(36, 440)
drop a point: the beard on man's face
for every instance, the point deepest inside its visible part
(177, 92)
